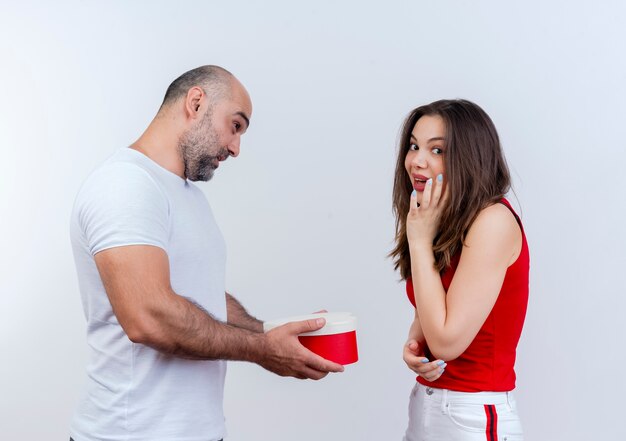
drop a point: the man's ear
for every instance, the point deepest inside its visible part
(193, 100)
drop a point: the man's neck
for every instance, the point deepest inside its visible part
(160, 143)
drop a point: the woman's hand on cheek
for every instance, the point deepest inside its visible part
(422, 222)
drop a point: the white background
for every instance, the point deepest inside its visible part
(306, 208)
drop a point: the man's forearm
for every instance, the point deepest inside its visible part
(186, 330)
(177, 326)
(239, 317)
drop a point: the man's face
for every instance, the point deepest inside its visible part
(215, 136)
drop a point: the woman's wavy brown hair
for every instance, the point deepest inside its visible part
(475, 172)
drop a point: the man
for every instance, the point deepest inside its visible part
(151, 268)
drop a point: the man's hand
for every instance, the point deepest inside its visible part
(414, 358)
(285, 355)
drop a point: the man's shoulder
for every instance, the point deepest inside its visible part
(119, 172)
(120, 182)
(120, 204)
(122, 165)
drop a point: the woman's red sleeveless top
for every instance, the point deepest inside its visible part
(487, 364)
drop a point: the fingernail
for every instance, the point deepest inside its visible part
(439, 177)
(414, 193)
(441, 363)
(430, 181)
(441, 370)
(424, 360)
(320, 322)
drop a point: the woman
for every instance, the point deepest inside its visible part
(462, 251)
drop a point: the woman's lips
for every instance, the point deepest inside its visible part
(419, 185)
(419, 182)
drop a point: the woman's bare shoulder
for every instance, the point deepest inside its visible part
(495, 224)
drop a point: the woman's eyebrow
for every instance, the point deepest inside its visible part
(437, 138)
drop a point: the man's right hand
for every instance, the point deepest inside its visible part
(285, 355)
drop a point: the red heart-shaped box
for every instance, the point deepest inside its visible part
(335, 341)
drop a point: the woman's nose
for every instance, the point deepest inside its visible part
(419, 160)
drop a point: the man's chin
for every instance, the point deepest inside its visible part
(205, 176)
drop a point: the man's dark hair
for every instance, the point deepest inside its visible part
(214, 80)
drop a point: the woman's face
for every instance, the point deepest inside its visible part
(424, 160)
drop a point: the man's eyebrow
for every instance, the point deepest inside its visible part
(245, 117)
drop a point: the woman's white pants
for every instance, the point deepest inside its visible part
(445, 415)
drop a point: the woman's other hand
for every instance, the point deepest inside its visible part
(414, 358)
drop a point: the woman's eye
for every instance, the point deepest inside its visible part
(437, 151)
(237, 126)
(413, 147)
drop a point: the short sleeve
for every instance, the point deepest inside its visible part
(121, 204)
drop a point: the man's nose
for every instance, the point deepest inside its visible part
(233, 147)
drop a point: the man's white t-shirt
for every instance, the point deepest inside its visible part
(133, 392)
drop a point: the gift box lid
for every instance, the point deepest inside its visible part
(336, 323)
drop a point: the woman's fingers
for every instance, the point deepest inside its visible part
(431, 196)
(437, 190)
(429, 370)
(432, 370)
(413, 203)
(423, 218)
(445, 195)
(427, 194)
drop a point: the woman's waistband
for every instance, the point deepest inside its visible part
(452, 396)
